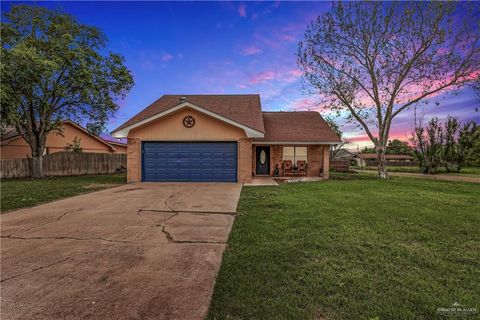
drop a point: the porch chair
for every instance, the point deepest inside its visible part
(287, 167)
(302, 167)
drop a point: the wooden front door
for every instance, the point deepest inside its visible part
(263, 160)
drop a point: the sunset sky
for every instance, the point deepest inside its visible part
(225, 47)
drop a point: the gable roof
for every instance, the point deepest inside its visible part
(344, 153)
(298, 126)
(116, 143)
(242, 109)
(14, 133)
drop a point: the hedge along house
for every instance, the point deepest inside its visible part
(222, 138)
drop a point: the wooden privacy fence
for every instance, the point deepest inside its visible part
(400, 163)
(66, 164)
(340, 165)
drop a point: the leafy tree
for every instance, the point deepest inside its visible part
(375, 60)
(54, 69)
(396, 146)
(427, 144)
(368, 150)
(449, 144)
(451, 155)
(469, 144)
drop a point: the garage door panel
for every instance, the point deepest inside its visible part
(189, 161)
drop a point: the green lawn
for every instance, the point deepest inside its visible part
(19, 193)
(353, 247)
(467, 171)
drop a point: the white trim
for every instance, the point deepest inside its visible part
(294, 143)
(251, 133)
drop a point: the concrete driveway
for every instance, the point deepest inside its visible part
(143, 251)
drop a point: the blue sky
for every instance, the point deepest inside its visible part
(221, 47)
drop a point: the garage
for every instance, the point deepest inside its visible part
(189, 161)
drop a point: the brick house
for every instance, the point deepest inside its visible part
(223, 138)
(14, 146)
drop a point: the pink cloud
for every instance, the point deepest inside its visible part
(248, 51)
(288, 37)
(242, 10)
(295, 72)
(286, 76)
(307, 104)
(167, 57)
(262, 77)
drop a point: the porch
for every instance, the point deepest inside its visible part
(290, 160)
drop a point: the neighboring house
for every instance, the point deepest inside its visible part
(120, 146)
(13, 146)
(342, 154)
(364, 158)
(222, 138)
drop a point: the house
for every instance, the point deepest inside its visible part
(342, 154)
(222, 138)
(364, 159)
(13, 146)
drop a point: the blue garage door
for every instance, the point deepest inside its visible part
(189, 161)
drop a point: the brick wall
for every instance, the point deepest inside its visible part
(276, 154)
(134, 171)
(326, 162)
(245, 160)
(314, 160)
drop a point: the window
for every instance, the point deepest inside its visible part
(295, 154)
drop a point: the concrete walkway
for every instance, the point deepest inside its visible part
(145, 251)
(447, 177)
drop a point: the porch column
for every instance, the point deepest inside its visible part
(326, 162)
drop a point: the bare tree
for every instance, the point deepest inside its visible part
(374, 60)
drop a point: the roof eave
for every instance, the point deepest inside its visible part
(296, 142)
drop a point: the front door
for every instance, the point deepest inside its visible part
(263, 160)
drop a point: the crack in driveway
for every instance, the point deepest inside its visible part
(170, 238)
(72, 238)
(166, 201)
(50, 221)
(199, 212)
(35, 269)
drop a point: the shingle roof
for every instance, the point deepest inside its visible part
(244, 109)
(299, 126)
(387, 156)
(14, 133)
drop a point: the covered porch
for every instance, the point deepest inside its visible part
(290, 160)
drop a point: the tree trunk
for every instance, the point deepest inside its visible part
(37, 162)
(382, 165)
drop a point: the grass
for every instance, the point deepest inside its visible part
(19, 193)
(353, 247)
(467, 171)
